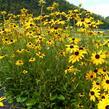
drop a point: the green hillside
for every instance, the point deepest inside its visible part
(33, 5)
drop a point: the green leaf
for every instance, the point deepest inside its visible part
(31, 102)
(52, 98)
(61, 97)
(21, 99)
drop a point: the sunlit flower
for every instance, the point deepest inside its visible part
(103, 96)
(2, 56)
(19, 62)
(94, 93)
(71, 48)
(102, 71)
(103, 104)
(32, 59)
(90, 75)
(96, 85)
(1, 101)
(30, 45)
(20, 50)
(74, 40)
(105, 83)
(76, 56)
(98, 58)
(50, 42)
(40, 55)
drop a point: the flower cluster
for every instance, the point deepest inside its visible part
(48, 64)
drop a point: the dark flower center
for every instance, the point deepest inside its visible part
(76, 53)
(80, 48)
(103, 97)
(107, 81)
(6, 39)
(73, 39)
(97, 56)
(104, 70)
(71, 46)
(11, 40)
(38, 33)
(92, 93)
(95, 70)
(55, 27)
(107, 107)
(89, 23)
(81, 94)
(40, 39)
(80, 105)
(31, 24)
(97, 83)
(29, 43)
(91, 76)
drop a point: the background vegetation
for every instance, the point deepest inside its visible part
(14, 6)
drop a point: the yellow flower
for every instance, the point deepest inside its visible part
(94, 93)
(103, 96)
(71, 69)
(50, 42)
(71, 48)
(5, 41)
(32, 60)
(105, 83)
(39, 39)
(62, 53)
(106, 43)
(40, 55)
(30, 45)
(80, 105)
(87, 20)
(102, 71)
(8, 41)
(2, 56)
(11, 41)
(74, 40)
(25, 71)
(19, 62)
(81, 94)
(96, 85)
(19, 50)
(76, 56)
(1, 101)
(103, 104)
(80, 23)
(98, 58)
(90, 75)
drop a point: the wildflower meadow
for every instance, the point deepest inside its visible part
(47, 63)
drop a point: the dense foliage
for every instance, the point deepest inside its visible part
(45, 63)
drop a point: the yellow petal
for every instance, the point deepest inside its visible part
(1, 104)
(2, 98)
